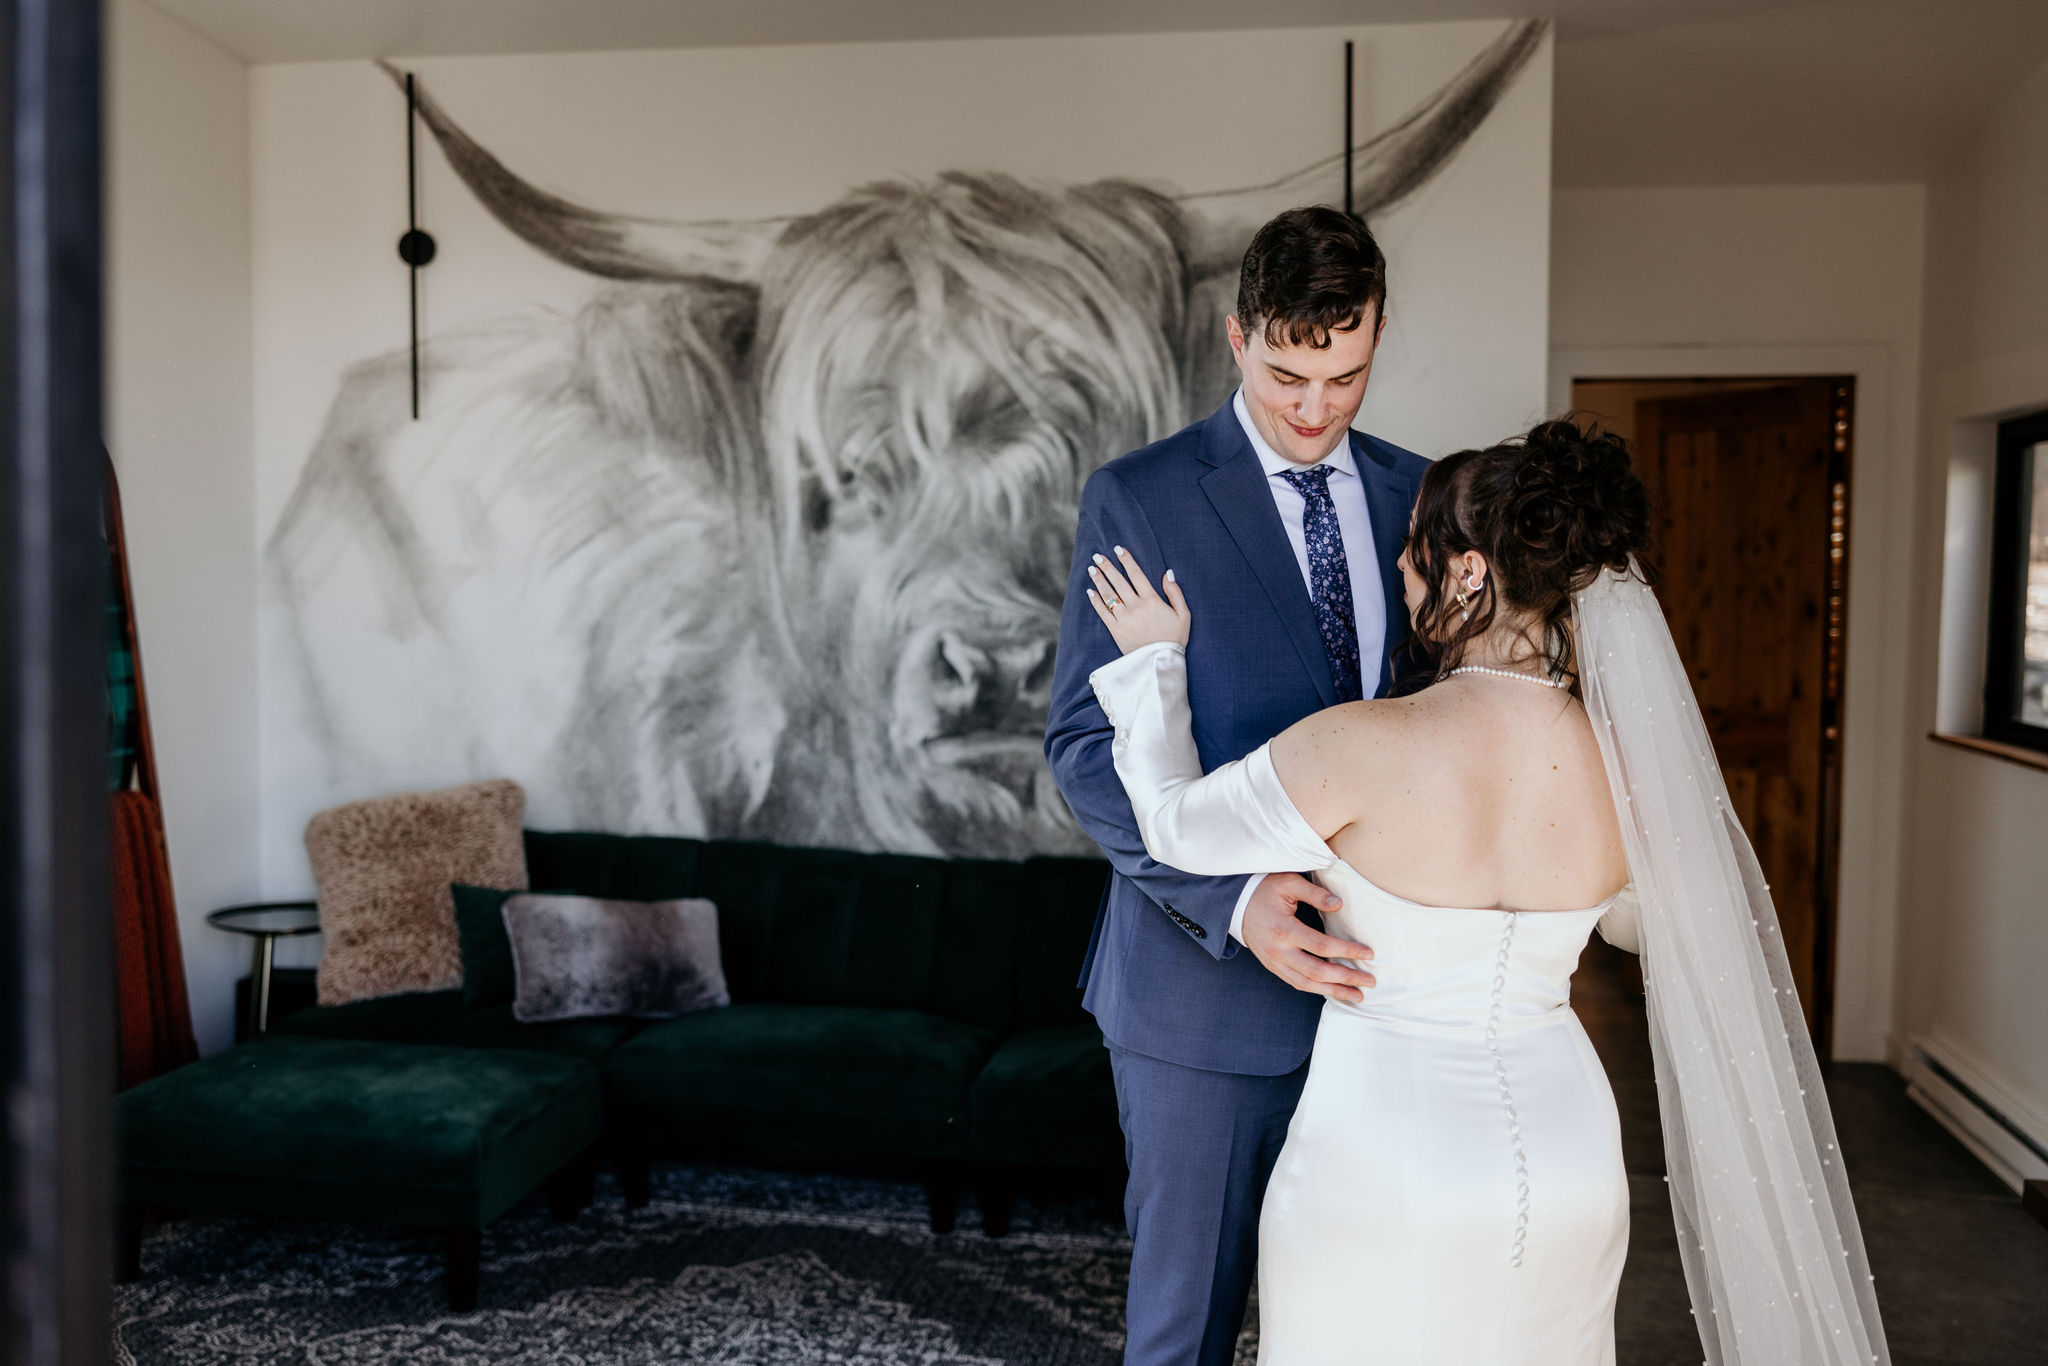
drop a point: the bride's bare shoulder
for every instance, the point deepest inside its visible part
(1429, 730)
(1332, 762)
(1352, 731)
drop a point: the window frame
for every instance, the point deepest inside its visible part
(2006, 627)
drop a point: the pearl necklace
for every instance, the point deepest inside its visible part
(1510, 673)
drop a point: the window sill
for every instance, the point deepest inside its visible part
(2010, 753)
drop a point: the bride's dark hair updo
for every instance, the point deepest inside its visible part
(1549, 511)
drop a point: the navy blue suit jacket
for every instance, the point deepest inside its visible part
(1163, 977)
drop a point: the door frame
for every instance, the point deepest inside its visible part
(1874, 703)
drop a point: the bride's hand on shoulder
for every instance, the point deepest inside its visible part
(1135, 615)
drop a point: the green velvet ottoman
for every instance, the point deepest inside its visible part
(345, 1129)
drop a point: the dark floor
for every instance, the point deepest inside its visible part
(753, 1268)
(1962, 1271)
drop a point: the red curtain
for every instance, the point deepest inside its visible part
(156, 1020)
(155, 1017)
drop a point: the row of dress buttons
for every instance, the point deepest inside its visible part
(1507, 1097)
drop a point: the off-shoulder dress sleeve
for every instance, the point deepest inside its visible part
(1622, 926)
(1237, 819)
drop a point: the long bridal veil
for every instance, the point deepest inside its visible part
(1773, 1254)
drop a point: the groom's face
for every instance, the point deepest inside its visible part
(1303, 399)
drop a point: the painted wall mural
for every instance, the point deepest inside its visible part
(767, 539)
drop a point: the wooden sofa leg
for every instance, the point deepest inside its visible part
(997, 1195)
(631, 1134)
(465, 1265)
(636, 1174)
(128, 1229)
(942, 1195)
(571, 1189)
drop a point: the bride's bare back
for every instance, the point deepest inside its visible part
(1482, 792)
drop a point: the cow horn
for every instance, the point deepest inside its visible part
(1387, 168)
(611, 245)
(1393, 165)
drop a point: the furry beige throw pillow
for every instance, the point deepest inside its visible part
(383, 869)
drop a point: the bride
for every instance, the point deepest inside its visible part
(1451, 1190)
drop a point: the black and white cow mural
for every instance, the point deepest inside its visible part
(767, 539)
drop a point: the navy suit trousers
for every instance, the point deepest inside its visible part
(1200, 1146)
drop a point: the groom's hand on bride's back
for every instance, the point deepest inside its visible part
(1299, 954)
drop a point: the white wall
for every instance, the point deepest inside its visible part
(178, 424)
(1823, 279)
(1975, 874)
(251, 216)
(659, 134)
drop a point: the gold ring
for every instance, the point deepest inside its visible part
(1115, 603)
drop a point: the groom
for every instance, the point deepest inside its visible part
(1282, 526)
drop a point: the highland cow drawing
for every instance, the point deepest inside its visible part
(769, 539)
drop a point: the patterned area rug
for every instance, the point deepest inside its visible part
(736, 1267)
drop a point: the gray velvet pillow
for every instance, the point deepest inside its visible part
(578, 956)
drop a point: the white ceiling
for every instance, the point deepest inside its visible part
(1845, 91)
(311, 30)
(1648, 91)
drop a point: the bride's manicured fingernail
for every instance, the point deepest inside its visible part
(1169, 576)
(1120, 550)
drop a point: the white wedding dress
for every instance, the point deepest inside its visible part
(1451, 1191)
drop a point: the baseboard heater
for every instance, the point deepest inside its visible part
(1946, 1089)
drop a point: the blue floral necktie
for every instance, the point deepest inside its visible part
(1329, 578)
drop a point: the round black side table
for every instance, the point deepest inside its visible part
(267, 922)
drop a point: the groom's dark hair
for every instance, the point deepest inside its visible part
(1308, 273)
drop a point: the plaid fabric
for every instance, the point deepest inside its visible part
(123, 723)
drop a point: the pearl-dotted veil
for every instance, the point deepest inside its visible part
(1773, 1253)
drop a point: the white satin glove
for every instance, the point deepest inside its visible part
(1235, 820)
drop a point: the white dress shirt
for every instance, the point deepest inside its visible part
(1368, 602)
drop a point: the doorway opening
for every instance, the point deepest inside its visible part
(1749, 486)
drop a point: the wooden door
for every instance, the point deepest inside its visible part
(1749, 485)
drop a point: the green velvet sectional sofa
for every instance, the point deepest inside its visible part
(912, 1011)
(447, 1138)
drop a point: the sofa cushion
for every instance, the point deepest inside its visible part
(487, 975)
(629, 867)
(856, 930)
(1048, 1096)
(1056, 914)
(440, 1017)
(739, 877)
(333, 1128)
(383, 868)
(971, 978)
(743, 878)
(792, 1078)
(820, 926)
(584, 957)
